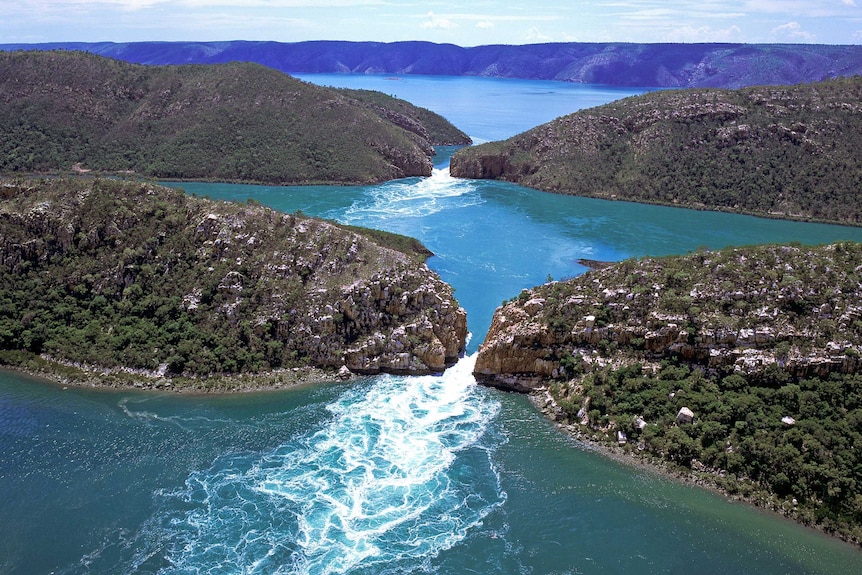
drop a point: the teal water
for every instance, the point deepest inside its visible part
(389, 474)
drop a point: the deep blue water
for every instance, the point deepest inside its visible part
(392, 474)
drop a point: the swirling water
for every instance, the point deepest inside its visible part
(390, 474)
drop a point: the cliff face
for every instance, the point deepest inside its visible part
(112, 274)
(773, 151)
(740, 310)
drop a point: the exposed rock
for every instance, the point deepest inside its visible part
(684, 415)
(743, 309)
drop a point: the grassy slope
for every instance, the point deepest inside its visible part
(780, 151)
(226, 122)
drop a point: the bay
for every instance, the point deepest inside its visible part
(392, 474)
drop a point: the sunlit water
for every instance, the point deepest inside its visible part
(391, 474)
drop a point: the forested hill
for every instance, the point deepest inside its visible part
(782, 151)
(237, 122)
(118, 276)
(621, 64)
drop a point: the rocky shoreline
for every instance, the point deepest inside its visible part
(130, 274)
(66, 375)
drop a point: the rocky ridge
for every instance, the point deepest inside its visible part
(110, 274)
(737, 369)
(741, 310)
(65, 111)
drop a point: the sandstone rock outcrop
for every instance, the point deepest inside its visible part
(742, 310)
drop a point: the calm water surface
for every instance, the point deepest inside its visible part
(392, 474)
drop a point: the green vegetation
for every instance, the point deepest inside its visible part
(439, 131)
(790, 152)
(233, 122)
(811, 469)
(114, 274)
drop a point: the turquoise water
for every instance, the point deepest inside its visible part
(486, 108)
(389, 474)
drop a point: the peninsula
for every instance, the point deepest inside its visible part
(123, 282)
(739, 368)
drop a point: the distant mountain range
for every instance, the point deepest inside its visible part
(620, 64)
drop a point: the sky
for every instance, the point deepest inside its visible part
(463, 22)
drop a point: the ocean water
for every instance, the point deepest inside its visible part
(392, 475)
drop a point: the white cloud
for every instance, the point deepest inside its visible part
(704, 34)
(484, 24)
(534, 35)
(438, 22)
(792, 32)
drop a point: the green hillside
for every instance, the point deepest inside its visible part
(232, 122)
(790, 152)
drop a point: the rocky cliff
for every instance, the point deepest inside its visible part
(121, 274)
(739, 369)
(739, 310)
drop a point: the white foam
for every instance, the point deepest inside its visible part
(412, 198)
(400, 472)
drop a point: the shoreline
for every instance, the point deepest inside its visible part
(63, 375)
(702, 478)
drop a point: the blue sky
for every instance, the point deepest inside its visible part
(459, 22)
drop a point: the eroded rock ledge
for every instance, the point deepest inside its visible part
(124, 274)
(744, 310)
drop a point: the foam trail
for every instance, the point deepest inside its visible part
(184, 422)
(401, 472)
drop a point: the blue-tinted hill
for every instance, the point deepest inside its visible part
(659, 65)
